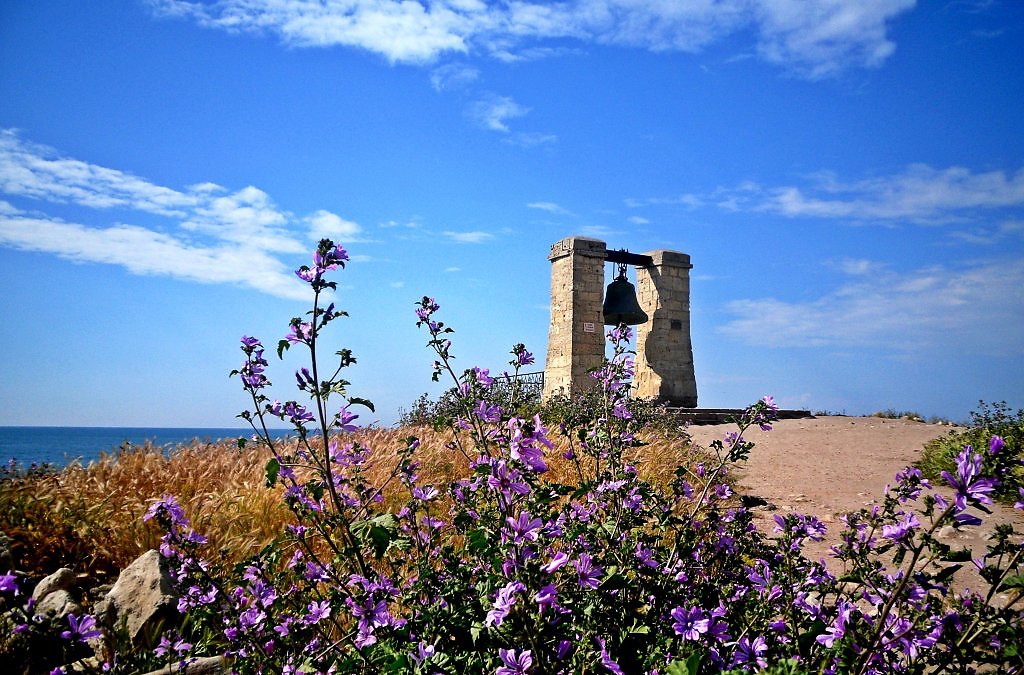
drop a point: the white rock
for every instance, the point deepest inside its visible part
(141, 598)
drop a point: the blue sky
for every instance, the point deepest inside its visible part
(847, 176)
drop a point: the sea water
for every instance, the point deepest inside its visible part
(59, 446)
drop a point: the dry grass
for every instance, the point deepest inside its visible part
(89, 517)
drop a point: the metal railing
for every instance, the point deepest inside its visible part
(530, 386)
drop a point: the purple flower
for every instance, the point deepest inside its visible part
(297, 413)
(1020, 504)
(83, 629)
(546, 597)
(300, 332)
(424, 652)
(968, 483)
(427, 306)
(345, 419)
(483, 377)
(328, 256)
(524, 438)
(902, 529)
(166, 646)
(763, 582)
(9, 584)
(167, 507)
(515, 664)
(487, 413)
(620, 334)
(995, 445)
(606, 659)
(645, 556)
(522, 529)
(690, 623)
(589, 573)
(837, 630)
(557, 561)
(425, 494)
(503, 603)
(750, 652)
(317, 612)
(506, 480)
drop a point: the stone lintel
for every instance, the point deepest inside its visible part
(666, 258)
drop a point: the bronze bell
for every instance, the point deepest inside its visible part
(620, 303)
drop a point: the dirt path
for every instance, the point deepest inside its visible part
(829, 466)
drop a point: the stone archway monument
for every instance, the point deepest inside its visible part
(576, 342)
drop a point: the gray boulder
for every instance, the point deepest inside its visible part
(53, 595)
(141, 600)
(61, 580)
(57, 605)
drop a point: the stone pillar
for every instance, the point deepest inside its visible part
(664, 354)
(576, 334)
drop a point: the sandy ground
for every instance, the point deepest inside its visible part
(828, 466)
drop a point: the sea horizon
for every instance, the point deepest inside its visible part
(58, 446)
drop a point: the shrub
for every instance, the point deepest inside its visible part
(995, 419)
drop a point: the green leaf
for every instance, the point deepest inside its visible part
(477, 539)
(241, 441)
(897, 559)
(1012, 582)
(273, 467)
(944, 575)
(808, 638)
(363, 402)
(963, 555)
(378, 532)
(691, 666)
(282, 347)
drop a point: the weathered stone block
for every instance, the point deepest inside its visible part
(142, 598)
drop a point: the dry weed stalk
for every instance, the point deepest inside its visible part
(89, 517)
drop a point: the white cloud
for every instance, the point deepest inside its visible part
(31, 170)
(688, 200)
(452, 269)
(816, 38)
(530, 139)
(920, 193)
(208, 234)
(397, 284)
(475, 237)
(858, 267)
(491, 112)
(143, 251)
(453, 76)
(409, 224)
(550, 207)
(820, 39)
(326, 224)
(598, 231)
(638, 220)
(970, 309)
